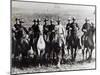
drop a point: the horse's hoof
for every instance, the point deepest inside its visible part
(58, 65)
(39, 66)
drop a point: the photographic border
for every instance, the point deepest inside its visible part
(61, 4)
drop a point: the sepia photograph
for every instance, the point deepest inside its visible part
(52, 37)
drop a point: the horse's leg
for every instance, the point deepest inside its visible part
(75, 53)
(42, 57)
(67, 47)
(39, 57)
(86, 52)
(59, 59)
(67, 43)
(63, 53)
(53, 57)
(90, 54)
(72, 53)
(83, 53)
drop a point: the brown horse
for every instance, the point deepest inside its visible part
(74, 44)
(59, 49)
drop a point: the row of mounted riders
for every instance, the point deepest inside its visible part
(47, 43)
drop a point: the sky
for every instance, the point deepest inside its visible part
(30, 10)
(48, 8)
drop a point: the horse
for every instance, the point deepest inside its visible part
(20, 45)
(68, 34)
(59, 49)
(74, 45)
(88, 43)
(50, 46)
(41, 45)
(13, 43)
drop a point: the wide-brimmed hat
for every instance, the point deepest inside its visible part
(21, 20)
(69, 19)
(34, 20)
(17, 19)
(73, 18)
(38, 20)
(45, 19)
(86, 19)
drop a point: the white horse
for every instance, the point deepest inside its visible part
(41, 45)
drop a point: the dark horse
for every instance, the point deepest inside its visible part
(88, 43)
(59, 49)
(20, 40)
(73, 45)
(49, 54)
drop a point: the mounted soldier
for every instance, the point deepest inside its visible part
(45, 29)
(34, 35)
(22, 40)
(85, 28)
(15, 37)
(74, 41)
(87, 38)
(18, 32)
(68, 30)
(68, 33)
(35, 28)
(60, 30)
(51, 29)
(60, 44)
(74, 31)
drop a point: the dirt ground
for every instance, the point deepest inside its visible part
(77, 65)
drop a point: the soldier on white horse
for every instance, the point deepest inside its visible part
(40, 44)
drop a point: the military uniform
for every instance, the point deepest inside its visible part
(45, 29)
(74, 33)
(68, 31)
(18, 36)
(51, 29)
(61, 32)
(85, 29)
(35, 29)
(18, 31)
(68, 34)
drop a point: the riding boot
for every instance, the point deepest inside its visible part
(72, 54)
(79, 46)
